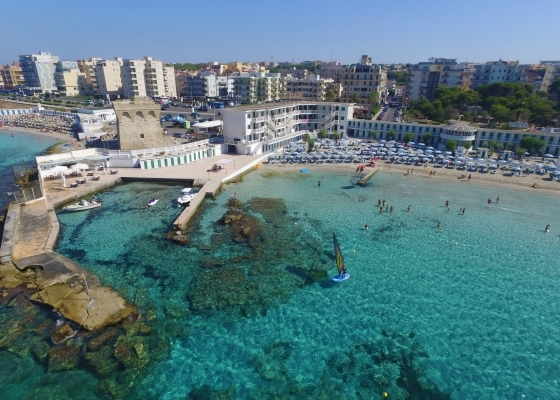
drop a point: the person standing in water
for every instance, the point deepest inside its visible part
(366, 227)
(497, 199)
(408, 209)
(547, 229)
(439, 225)
(489, 200)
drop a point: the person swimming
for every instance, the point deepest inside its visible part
(366, 227)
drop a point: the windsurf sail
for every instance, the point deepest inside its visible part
(338, 256)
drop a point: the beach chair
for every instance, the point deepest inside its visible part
(95, 177)
(114, 171)
(74, 185)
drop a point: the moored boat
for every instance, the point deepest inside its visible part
(83, 205)
(152, 202)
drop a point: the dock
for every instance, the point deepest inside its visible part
(365, 179)
(27, 252)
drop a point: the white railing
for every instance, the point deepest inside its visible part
(154, 150)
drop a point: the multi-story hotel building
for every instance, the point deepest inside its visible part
(363, 79)
(12, 76)
(311, 88)
(426, 77)
(147, 77)
(498, 72)
(38, 71)
(67, 77)
(257, 87)
(252, 129)
(88, 85)
(108, 75)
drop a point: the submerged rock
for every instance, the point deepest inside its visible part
(62, 333)
(107, 336)
(232, 216)
(101, 363)
(63, 358)
(41, 351)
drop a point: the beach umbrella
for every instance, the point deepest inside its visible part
(411, 143)
(549, 156)
(58, 169)
(515, 162)
(421, 144)
(80, 166)
(502, 161)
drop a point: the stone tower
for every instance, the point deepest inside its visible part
(138, 124)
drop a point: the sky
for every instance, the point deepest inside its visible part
(406, 31)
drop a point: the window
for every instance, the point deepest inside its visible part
(141, 136)
(342, 118)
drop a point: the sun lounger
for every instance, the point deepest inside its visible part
(114, 171)
(95, 178)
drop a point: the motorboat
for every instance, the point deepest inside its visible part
(82, 205)
(152, 202)
(187, 194)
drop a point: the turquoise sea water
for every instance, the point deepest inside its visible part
(14, 148)
(470, 311)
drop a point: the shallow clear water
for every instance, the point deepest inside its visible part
(480, 295)
(14, 149)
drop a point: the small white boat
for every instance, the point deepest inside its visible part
(187, 191)
(185, 200)
(82, 205)
(152, 202)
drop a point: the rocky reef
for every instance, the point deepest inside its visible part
(117, 355)
(394, 367)
(265, 269)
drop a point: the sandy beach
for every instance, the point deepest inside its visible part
(523, 182)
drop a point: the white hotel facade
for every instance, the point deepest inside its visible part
(256, 129)
(253, 129)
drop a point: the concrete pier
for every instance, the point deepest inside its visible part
(365, 179)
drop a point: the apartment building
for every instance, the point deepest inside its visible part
(66, 77)
(147, 77)
(552, 73)
(38, 71)
(169, 84)
(12, 76)
(426, 77)
(2, 81)
(332, 70)
(363, 79)
(310, 88)
(257, 87)
(251, 129)
(88, 84)
(498, 72)
(108, 76)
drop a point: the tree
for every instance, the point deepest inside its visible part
(391, 134)
(520, 151)
(322, 134)
(392, 92)
(427, 137)
(408, 137)
(336, 135)
(331, 95)
(373, 97)
(356, 98)
(310, 145)
(532, 143)
(451, 145)
(501, 113)
(467, 144)
(373, 134)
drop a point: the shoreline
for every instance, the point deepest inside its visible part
(61, 138)
(522, 182)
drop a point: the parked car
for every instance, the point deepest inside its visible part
(195, 115)
(178, 134)
(168, 117)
